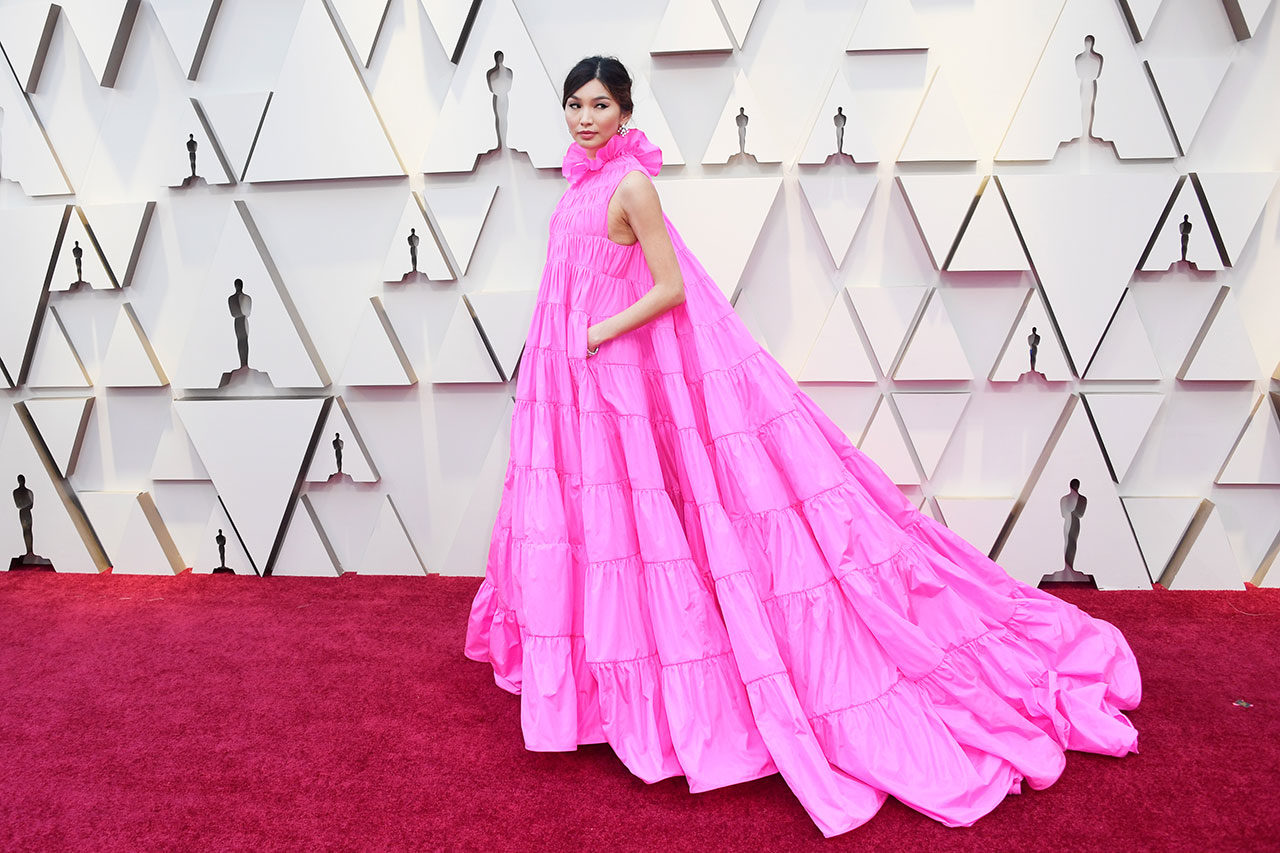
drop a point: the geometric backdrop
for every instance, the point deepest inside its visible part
(267, 268)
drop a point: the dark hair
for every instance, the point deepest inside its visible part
(609, 71)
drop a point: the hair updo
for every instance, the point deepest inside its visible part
(609, 71)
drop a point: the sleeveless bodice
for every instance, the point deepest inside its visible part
(579, 226)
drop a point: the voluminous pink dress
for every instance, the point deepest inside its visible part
(694, 564)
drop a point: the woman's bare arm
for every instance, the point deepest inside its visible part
(643, 213)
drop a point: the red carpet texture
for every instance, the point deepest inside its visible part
(204, 712)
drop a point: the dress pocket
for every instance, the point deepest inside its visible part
(576, 338)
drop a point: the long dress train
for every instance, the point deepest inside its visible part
(693, 563)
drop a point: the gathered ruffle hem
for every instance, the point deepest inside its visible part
(692, 563)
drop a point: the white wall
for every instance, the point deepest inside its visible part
(366, 108)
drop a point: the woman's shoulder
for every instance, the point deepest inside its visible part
(634, 182)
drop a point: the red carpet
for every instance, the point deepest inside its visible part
(215, 712)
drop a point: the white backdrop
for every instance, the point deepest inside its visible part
(899, 289)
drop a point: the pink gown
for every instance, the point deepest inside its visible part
(694, 564)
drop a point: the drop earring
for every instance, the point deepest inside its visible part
(622, 131)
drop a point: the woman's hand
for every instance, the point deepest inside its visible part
(595, 337)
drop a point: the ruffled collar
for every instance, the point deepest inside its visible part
(577, 162)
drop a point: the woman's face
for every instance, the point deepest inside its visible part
(593, 116)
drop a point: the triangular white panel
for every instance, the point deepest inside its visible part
(1141, 13)
(1245, 16)
(93, 271)
(363, 21)
(850, 407)
(934, 351)
(235, 118)
(460, 212)
(471, 539)
(130, 361)
(275, 343)
(1105, 547)
(1225, 353)
(1160, 523)
(884, 444)
(211, 168)
(356, 462)
(1125, 111)
(391, 550)
(535, 119)
(977, 520)
(185, 510)
(930, 421)
(703, 211)
(824, 140)
(462, 356)
(26, 272)
(1015, 358)
(118, 230)
(837, 354)
(176, 457)
(1236, 201)
(887, 314)
(399, 262)
(1085, 234)
(1125, 352)
(1187, 86)
(690, 26)
(448, 18)
(1123, 421)
(109, 514)
(1210, 562)
(25, 155)
(102, 28)
(739, 14)
(253, 450)
(61, 422)
(376, 357)
(838, 199)
(1174, 313)
(647, 114)
(56, 534)
(505, 316)
(989, 241)
(133, 537)
(205, 556)
(761, 137)
(321, 122)
(939, 204)
(55, 363)
(1255, 459)
(1270, 576)
(940, 132)
(306, 550)
(347, 516)
(1185, 214)
(123, 145)
(26, 29)
(887, 25)
(187, 24)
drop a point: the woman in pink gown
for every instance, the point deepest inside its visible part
(694, 564)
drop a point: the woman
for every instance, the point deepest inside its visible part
(692, 563)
